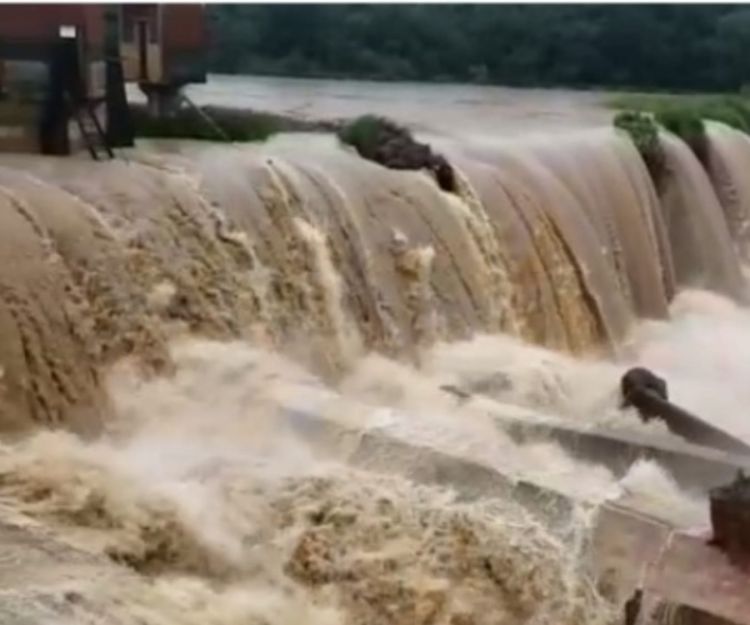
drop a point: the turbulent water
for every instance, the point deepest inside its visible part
(162, 315)
(449, 109)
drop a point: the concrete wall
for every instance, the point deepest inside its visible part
(18, 126)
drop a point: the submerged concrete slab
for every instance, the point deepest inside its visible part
(693, 467)
(628, 549)
(631, 550)
(623, 541)
(686, 615)
(378, 451)
(42, 580)
(691, 573)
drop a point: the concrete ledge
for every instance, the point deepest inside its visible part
(40, 576)
(693, 574)
(685, 615)
(381, 452)
(623, 541)
(628, 549)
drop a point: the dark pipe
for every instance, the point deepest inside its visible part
(637, 379)
(648, 393)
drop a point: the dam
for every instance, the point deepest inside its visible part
(221, 370)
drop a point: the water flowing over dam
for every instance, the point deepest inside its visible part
(162, 312)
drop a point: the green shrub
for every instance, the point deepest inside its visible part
(686, 123)
(685, 115)
(364, 134)
(644, 132)
(641, 128)
(385, 142)
(730, 109)
(228, 125)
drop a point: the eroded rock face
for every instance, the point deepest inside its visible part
(730, 519)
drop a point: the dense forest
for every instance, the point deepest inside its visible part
(670, 47)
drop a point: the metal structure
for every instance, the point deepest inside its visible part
(161, 46)
(632, 549)
(52, 71)
(63, 68)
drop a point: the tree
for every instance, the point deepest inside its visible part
(690, 47)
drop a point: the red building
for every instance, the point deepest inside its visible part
(57, 60)
(27, 32)
(31, 37)
(163, 44)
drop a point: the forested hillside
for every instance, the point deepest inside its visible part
(689, 47)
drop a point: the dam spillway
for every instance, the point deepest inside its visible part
(318, 251)
(362, 277)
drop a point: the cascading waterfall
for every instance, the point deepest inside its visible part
(156, 303)
(701, 242)
(727, 159)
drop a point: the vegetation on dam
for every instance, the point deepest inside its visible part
(683, 110)
(682, 115)
(644, 132)
(383, 141)
(642, 125)
(614, 46)
(218, 123)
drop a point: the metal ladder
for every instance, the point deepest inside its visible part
(93, 135)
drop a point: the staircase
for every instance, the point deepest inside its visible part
(92, 132)
(67, 98)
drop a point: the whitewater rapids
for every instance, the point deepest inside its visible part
(160, 316)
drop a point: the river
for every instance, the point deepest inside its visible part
(454, 110)
(163, 317)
